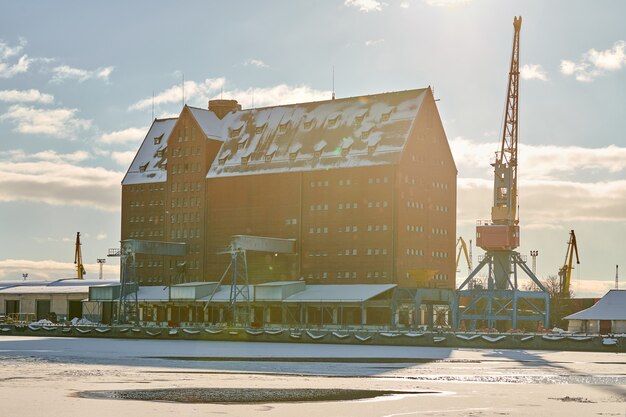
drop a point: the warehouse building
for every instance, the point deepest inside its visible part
(28, 301)
(365, 185)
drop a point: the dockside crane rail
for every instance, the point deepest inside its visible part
(565, 272)
(78, 258)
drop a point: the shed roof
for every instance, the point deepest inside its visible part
(610, 307)
(339, 293)
(148, 165)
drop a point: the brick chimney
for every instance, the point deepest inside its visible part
(222, 107)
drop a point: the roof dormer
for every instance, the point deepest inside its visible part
(271, 151)
(158, 139)
(319, 148)
(333, 120)
(346, 145)
(294, 150)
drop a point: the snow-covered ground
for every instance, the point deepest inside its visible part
(41, 376)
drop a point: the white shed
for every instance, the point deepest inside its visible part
(608, 315)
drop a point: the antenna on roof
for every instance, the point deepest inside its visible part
(616, 277)
(183, 89)
(252, 98)
(152, 104)
(333, 82)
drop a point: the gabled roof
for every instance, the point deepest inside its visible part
(149, 165)
(610, 307)
(378, 126)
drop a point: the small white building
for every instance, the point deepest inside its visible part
(28, 301)
(608, 315)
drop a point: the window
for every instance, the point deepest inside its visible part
(157, 140)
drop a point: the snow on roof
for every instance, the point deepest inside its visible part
(384, 119)
(50, 287)
(610, 307)
(222, 294)
(277, 283)
(149, 164)
(45, 289)
(208, 122)
(153, 293)
(355, 293)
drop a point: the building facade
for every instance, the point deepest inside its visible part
(365, 185)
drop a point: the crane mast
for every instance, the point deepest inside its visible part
(502, 232)
(501, 303)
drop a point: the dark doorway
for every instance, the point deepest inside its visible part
(74, 309)
(605, 326)
(12, 307)
(107, 313)
(42, 309)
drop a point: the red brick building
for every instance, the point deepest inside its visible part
(366, 185)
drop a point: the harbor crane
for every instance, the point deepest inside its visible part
(78, 258)
(462, 249)
(565, 272)
(498, 305)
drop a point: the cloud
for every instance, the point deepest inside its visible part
(49, 270)
(541, 162)
(445, 3)
(25, 96)
(101, 236)
(61, 122)
(9, 71)
(7, 51)
(175, 94)
(555, 188)
(211, 88)
(533, 72)
(65, 72)
(129, 135)
(55, 179)
(404, 4)
(373, 42)
(255, 62)
(123, 158)
(595, 63)
(365, 5)
(278, 94)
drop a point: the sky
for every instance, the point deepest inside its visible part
(77, 81)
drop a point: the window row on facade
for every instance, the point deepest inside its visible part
(186, 202)
(184, 218)
(184, 233)
(185, 186)
(147, 187)
(145, 233)
(185, 168)
(185, 152)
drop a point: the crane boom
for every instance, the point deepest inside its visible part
(504, 210)
(462, 248)
(502, 231)
(565, 273)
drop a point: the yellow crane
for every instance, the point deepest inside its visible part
(462, 248)
(78, 258)
(565, 272)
